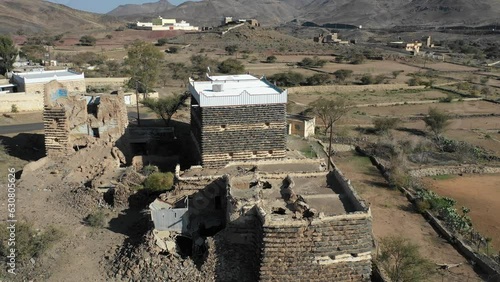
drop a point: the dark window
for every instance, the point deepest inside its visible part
(95, 132)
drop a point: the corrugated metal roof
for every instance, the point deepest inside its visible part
(236, 90)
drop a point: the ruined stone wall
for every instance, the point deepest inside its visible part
(56, 130)
(240, 133)
(328, 249)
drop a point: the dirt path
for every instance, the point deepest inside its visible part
(394, 215)
(481, 194)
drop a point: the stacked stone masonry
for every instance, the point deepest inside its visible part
(56, 131)
(235, 133)
(328, 250)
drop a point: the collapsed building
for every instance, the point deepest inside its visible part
(237, 118)
(74, 119)
(287, 220)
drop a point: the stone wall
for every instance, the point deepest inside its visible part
(328, 249)
(453, 170)
(225, 134)
(349, 88)
(24, 102)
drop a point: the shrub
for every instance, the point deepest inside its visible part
(88, 40)
(384, 124)
(109, 36)
(29, 242)
(231, 66)
(318, 79)
(367, 79)
(13, 108)
(287, 78)
(403, 261)
(158, 181)
(96, 219)
(447, 99)
(312, 62)
(231, 49)
(396, 73)
(162, 41)
(173, 50)
(271, 59)
(149, 169)
(437, 121)
(342, 74)
(358, 59)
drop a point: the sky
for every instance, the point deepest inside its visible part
(104, 6)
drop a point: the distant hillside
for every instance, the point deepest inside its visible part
(369, 13)
(387, 13)
(38, 15)
(145, 9)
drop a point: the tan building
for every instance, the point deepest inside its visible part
(34, 82)
(300, 125)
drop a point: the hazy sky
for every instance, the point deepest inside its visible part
(104, 6)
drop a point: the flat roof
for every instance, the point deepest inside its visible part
(235, 90)
(47, 74)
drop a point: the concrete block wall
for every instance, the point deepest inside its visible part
(225, 134)
(329, 249)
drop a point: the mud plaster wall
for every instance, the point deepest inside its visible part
(337, 249)
(225, 134)
(70, 85)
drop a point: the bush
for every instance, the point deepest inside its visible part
(173, 50)
(318, 79)
(367, 79)
(231, 49)
(402, 260)
(88, 40)
(231, 66)
(13, 108)
(342, 74)
(358, 59)
(287, 78)
(384, 124)
(109, 36)
(271, 59)
(29, 242)
(149, 169)
(96, 219)
(312, 62)
(162, 41)
(396, 73)
(447, 99)
(158, 181)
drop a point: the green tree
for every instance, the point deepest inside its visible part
(329, 112)
(143, 62)
(358, 59)
(437, 121)
(166, 107)
(231, 66)
(287, 78)
(201, 64)
(342, 74)
(8, 53)
(179, 71)
(158, 181)
(402, 260)
(367, 79)
(88, 40)
(34, 53)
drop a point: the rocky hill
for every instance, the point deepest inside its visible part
(36, 15)
(142, 10)
(370, 13)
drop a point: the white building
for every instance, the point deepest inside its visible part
(34, 82)
(165, 24)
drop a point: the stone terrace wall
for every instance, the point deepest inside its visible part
(241, 133)
(329, 249)
(349, 88)
(454, 170)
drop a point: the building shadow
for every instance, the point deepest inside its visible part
(25, 146)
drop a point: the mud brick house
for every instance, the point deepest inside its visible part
(237, 118)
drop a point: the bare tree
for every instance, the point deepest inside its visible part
(329, 111)
(437, 121)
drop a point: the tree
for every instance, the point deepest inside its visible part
(8, 53)
(231, 49)
(318, 79)
(271, 59)
(342, 75)
(231, 66)
(329, 111)
(437, 121)
(287, 78)
(402, 260)
(312, 62)
(358, 59)
(179, 71)
(162, 41)
(202, 63)
(367, 79)
(166, 107)
(143, 61)
(88, 40)
(33, 52)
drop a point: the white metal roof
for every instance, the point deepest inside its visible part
(236, 90)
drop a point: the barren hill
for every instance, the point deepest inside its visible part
(386, 13)
(369, 13)
(144, 9)
(38, 15)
